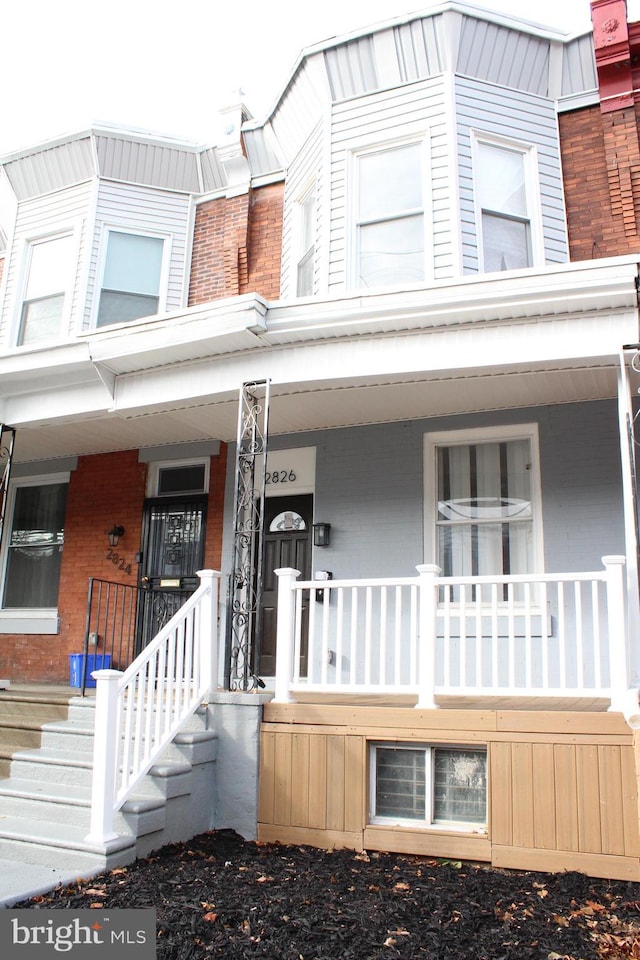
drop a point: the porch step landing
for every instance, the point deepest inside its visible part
(45, 801)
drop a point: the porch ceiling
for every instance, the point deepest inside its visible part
(476, 344)
(313, 406)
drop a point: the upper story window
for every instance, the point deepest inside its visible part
(306, 244)
(48, 278)
(390, 243)
(131, 278)
(505, 193)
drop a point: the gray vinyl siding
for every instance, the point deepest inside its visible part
(370, 487)
(45, 216)
(503, 56)
(134, 209)
(54, 168)
(301, 107)
(306, 169)
(415, 110)
(485, 108)
(147, 162)
(579, 66)
(419, 48)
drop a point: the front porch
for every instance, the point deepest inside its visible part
(543, 641)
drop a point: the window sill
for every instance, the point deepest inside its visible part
(44, 621)
(444, 829)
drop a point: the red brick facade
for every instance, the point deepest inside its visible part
(236, 246)
(601, 168)
(103, 490)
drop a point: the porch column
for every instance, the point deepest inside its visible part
(285, 632)
(428, 588)
(630, 514)
(209, 638)
(618, 652)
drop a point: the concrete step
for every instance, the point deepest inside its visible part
(53, 766)
(60, 845)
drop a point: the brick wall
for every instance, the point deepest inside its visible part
(103, 490)
(236, 246)
(601, 167)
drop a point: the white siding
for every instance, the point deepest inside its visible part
(64, 210)
(300, 108)
(413, 110)
(307, 168)
(527, 119)
(141, 209)
(504, 56)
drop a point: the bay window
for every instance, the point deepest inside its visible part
(131, 278)
(48, 279)
(504, 192)
(306, 244)
(390, 229)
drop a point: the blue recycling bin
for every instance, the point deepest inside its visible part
(95, 661)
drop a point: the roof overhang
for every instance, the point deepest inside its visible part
(479, 343)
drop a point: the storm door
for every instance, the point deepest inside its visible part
(287, 543)
(172, 553)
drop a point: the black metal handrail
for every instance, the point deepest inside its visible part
(111, 627)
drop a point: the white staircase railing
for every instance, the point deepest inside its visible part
(139, 712)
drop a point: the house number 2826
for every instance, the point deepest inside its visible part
(281, 476)
(120, 562)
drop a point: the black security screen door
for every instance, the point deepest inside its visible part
(172, 553)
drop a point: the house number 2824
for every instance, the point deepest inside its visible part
(120, 562)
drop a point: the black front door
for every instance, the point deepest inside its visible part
(172, 553)
(287, 543)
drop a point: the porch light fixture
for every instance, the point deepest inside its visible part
(321, 534)
(114, 535)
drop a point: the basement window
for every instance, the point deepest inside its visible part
(425, 785)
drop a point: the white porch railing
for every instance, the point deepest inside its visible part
(138, 712)
(535, 635)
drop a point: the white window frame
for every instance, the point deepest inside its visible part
(352, 245)
(309, 253)
(429, 822)
(26, 620)
(67, 290)
(448, 438)
(155, 468)
(163, 283)
(529, 153)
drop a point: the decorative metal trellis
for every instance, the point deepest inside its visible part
(245, 582)
(7, 441)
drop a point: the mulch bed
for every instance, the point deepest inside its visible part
(220, 896)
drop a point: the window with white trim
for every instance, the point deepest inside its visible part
(306, 244)
(48, 280)
(131, 278)
(482, 501)
(505, 194)
(428, 785)
(34, 542)
(390, 223)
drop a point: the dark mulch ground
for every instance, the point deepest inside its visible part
(219, 896)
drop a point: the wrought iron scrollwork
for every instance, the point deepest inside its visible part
(245, 584)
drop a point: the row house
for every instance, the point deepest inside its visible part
(374, 362)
